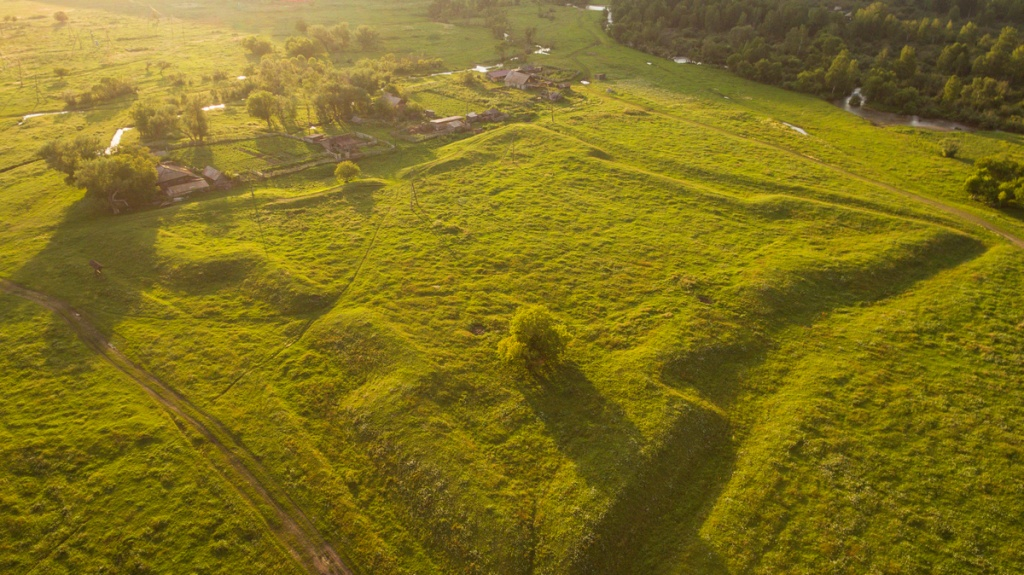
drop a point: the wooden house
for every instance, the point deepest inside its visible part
(176, 182)
(498, 75)
(518, 79)
(217, 179)
(449, 124)
(393, 101)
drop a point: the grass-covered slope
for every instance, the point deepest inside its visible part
(95, 478)
(778, 363)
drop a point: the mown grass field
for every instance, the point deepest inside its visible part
(777, 364)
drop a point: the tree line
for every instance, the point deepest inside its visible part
(286, 87)
(956, 59)
(157, 119)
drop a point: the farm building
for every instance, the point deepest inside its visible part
(518, 79)
(498, 75)
(176, 182)
(449, 124)
(492, 115)
(393, 101)
(217, 179)
(344, 146)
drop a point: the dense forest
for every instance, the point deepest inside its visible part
(955, 59)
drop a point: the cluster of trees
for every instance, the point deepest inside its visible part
(126, 178)
(257, 46)
(282, 87)
(157, 120)
(107, 89)
(493, 15)
(997, 182)
(317, 40)
(449, 10)
(958, 59)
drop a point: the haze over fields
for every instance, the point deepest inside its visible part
(488, 287)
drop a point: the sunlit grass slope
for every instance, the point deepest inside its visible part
(95, 478)
(778, 364)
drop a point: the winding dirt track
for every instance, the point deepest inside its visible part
(294, 532)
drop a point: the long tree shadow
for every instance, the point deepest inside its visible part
(799, 297)
(588, 428)
(124, 246)
(658, 515)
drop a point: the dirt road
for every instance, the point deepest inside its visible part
(293, 530)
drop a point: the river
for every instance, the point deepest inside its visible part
(890, 119)
(39, 115)
(116, 141)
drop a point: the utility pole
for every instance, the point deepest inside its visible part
(256, 211)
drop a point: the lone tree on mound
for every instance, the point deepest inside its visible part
(347, 171)
(536, 338)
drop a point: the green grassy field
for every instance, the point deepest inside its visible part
(778, 363)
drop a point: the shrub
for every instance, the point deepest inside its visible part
(346, 171)
(303, 46)
(107, 89)
(950, 148)
(996, 181)
(257, 46)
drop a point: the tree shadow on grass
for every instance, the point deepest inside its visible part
(199, 157)
(104, 114)
(656, 518)
(360, 195)
(125, 246)
(589, 429)
(1014, 212)
(714, 365)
